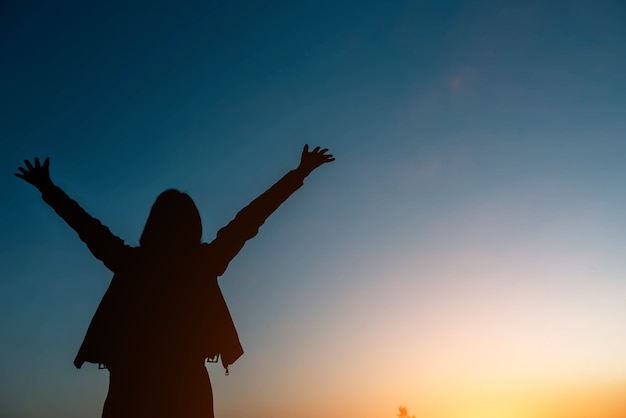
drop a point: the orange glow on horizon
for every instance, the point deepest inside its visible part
(593, 400)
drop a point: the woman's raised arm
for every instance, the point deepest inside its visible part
(103, 244)
(231, 238)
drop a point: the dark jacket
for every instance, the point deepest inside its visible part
(168, 306)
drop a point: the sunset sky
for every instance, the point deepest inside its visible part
(464, 256)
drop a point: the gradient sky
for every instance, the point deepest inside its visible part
(464, 255)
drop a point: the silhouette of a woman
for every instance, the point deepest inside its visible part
(163, 314)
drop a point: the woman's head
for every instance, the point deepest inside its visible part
(174, 222)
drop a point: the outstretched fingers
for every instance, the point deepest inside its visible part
(315, 158)
(22, 172)
(38, 175)
(38, 163)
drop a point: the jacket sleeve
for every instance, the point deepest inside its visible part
(231, 238)
(103, 244)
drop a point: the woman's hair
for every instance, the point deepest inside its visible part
(174, 222)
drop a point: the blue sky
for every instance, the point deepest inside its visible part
(475, 206)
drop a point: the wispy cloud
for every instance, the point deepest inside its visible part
(455, 82)
(458, 87)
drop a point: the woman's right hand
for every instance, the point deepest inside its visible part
(310, 160)
(37, 175)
